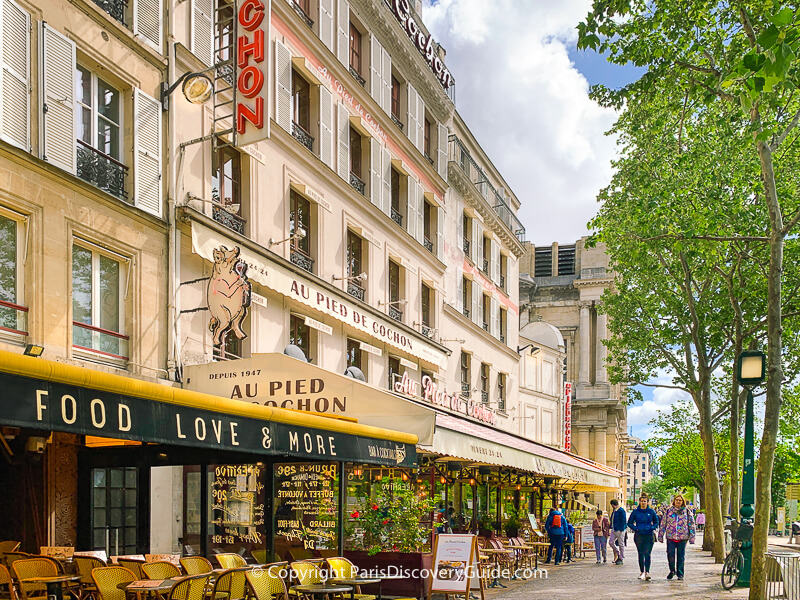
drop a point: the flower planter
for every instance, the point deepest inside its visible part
(395, 564)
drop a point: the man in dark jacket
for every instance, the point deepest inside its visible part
(555, 526)
(619, 522)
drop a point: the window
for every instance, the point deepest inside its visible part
(427, 140)
(466, 295)
(300, 335)
(501, 391)
(465, 374)
(355, 49)
(566, 260)
(300, 231)
(467, 227)
(487, 254)
(427, 310)
(486, 311)
(395, 371)
(355, 154)
(396, 101)
(13, 316)
(485, 383)
(354, 265)
(301, 110)
(395, 291)
(98, 288)
(503, 325)
(397, 210)
(226, 175)
(354, 358)
(543, 262)
(98, 126)
(428, 225)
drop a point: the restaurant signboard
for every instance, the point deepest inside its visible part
(430, 391)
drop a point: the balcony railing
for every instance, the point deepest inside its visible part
(503, 338)
(485, 266)
(485, 397)
(116, 8)
(395, 313)
(428, 158)
(358, 77)
(502, 282)
(355, 290)
(485, 326)
(397, 122)
(465, 391)
(102, 171)
(428, 245)
(13, 318)
(397, 217)
(302, 14)
(302, 260)
(231, 220)
(465, 310)
(101, 341)
(302, 136)
(466, 246)
(427, 331)
(357, 184)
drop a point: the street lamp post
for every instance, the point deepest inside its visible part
(635, 462)
(750, 373)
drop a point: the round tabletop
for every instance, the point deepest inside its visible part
(322, 588)
(354, 580)
(52, 579)
(144, 585)
(496, 550)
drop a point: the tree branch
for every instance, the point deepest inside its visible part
(779, 140)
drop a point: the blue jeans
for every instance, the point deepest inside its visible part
(679, 549)
(556, 542)
(600, 542)
(644, 547)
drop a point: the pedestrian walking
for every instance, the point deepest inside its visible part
(601, 527)
(678, 527)
(555, 528)
(644, 524)
(569, 540)
(701, 521)
(619, 522)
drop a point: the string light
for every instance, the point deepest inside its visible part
(443, 480)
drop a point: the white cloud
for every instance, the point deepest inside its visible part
(661, 400)
(528, 106)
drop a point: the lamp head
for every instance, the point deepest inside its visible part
(198, 88)
(751, 368)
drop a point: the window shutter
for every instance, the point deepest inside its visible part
(411, 121)
(495, 267)
(15, 75)
(58, 68)
(146, 152)
(283, 86)
(375, 69)
(459, 230)
(386, 71)
(325, 126)
(386, 200)
(326, 24)
(343, 127)
(440, 233)
(203, 30)
(148, 22)
(479, 249)
(476, 315)
(343, 33)
(420, 124)
(420, 212)
(473, 246)
(494, 327)
(444, 134)
(411, 216)
(375, 171)
(459, 291)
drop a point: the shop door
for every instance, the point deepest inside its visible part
(114, 516)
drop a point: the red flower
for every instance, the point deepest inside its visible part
(386, 521)
(374, 507)
(354, 514)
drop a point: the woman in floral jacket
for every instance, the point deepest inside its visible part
(678, 527)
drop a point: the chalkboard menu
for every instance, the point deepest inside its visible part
(306, 508)
(236, 515)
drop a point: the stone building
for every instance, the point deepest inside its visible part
(640, 468)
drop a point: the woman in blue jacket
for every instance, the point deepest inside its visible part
(644, 523)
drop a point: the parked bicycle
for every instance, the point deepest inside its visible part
(734, 562)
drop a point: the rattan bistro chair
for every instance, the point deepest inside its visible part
(160, 569)
(196, 565)
(29, 568)
(192, 587)
(305, 573)
(7, 546)
(135, 566)
(339, 566)
(231, 585)
(5, 581)
(266, 584)
(106, 580)
(85, 565)
(230, 560)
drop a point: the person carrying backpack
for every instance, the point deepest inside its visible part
(569, 540)
(554, 526)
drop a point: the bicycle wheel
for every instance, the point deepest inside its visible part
(731, 569)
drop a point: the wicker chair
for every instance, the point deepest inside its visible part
(266, 584)
(7, 546)
(305, 573)
(5, 581)
(160, 569)
(192, 587)
(196, 565)
(106, 580)
(12, 557)
(230, 560)
(339, 566)
(28, 568)
(231, 585)
(85, 565)
(135, 566)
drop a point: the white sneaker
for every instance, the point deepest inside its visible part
(647, 576)
(641, 576)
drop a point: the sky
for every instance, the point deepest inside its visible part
(522, 88)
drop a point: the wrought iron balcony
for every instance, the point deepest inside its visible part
(302, 14)
(358, 77)
(102, 171)
(502, 282)
(428, 158)
(485, 397)
(302, 260)
(231, 220)
(465, 391)
(302, 136)
(355, 290)
(357, 184)
(466, 246)
(485, 326)
(465, 310)
(397, 122)
(428, 245)
(427, 331)
(116, 8)
(397, 217)
(395, 313)
(485, 266)
(503, 338)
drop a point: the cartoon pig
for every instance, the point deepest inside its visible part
(228, 294)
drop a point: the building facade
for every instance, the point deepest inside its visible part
(640, 468)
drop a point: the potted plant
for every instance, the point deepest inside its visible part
(513, 524)
(485, 526)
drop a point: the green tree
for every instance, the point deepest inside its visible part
(658, 489)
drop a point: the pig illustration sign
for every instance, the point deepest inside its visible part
(228, 294)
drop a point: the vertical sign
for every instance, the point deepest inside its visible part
(252, 74)
(568, 416)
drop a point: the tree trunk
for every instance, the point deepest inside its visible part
(726, 497)
(713, 510)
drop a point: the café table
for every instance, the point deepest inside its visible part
(155, 587)
(321, 589)
(54, 584)
(355, 582)
(496, 552)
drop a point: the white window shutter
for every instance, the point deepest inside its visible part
(420, 212)
(444, 134)
(326, 24)
(479, 249)
(343, 127)
(459, 229)
(411, 111)
(375, 68)
(476, 303)
(386, 71)
(494, 327)
(420, 124)
(146, 153)
(343, 32)
(459, 292)
(15, 75)
(203, 30)
(411, 216)
(283, 86)
(58, 68)
(325, 126)
(148, 22)
(440, 233)
(473, 247)
(495, 267)
(386, 199)
(376, 154)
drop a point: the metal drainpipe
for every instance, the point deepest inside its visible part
(173, 242)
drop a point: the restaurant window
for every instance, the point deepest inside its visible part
(356, 175)
(226, 196)
(503, 325)
(300, 335)
(114, 510)
(395, 304)
(98, 289)
(355, 265)
(484, 383)
(427, 140)
(466, 295)
(501, 391)
(300, 231)
(301, 110)
(395, 371)
(429, 225)
(236, 505)
(427, 310)
(466, 223)
(396, 101)
(355, 357)
(231, 348)
(355, 53)
(13, 316)
(99, 139)
(486, 310)
(465, 374)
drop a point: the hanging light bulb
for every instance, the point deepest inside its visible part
(443, 480)
(405, 477)
(519, 487)
(472, 482)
